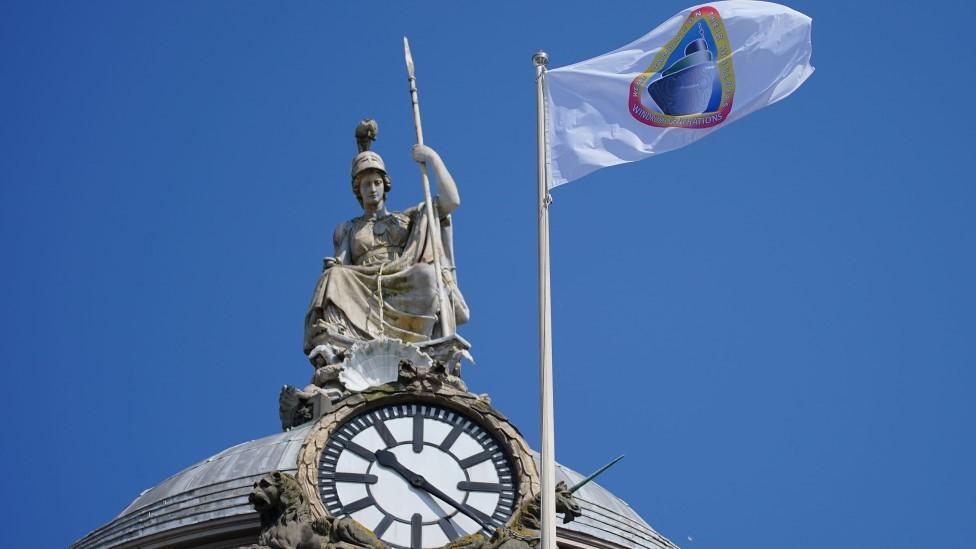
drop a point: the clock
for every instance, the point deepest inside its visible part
(418, 474)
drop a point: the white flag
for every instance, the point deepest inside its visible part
(702, 69)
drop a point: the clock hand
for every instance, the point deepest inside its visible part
(388, 459)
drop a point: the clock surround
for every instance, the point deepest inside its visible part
(430, 445)
(476, 410)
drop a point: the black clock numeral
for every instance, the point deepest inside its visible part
(358, 505)
(355, 477)
(383, 525)
(385, 433)
(449, 530)
(476, 459)
(416, 531)
(480, 486)
(451, 438)
(418, 433)
(360, 451)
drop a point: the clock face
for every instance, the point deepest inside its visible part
(384, 467)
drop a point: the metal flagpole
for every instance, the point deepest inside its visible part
(432, 222)
(548, 449)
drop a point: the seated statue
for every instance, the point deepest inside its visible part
(382, 282)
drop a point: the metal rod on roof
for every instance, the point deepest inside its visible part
(598, 472)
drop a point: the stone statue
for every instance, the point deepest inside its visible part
(287, 523)
(381, 282)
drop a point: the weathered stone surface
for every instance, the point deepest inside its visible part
(287, 523)
(377, 362)
(366, 366)
(393, 273)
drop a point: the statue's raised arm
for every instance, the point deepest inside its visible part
(447, 194)
(381, 282)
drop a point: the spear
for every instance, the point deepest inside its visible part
(432, 222)
(598, 472)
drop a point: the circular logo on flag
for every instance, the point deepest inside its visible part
(690, 83)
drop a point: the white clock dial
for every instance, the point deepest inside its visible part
(425, 450)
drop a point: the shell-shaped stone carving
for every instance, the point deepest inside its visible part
(377, 362)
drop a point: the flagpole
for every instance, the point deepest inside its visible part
(548, 449)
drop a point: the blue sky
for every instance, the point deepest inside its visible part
(774, 324)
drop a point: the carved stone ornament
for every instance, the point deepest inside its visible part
(374, 363)
(355, 427)
(287, 521)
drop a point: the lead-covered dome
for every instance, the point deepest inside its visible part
(205, 505)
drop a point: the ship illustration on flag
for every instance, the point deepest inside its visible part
(687, 86)
(690, 83)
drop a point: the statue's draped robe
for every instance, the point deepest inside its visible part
(346, 304)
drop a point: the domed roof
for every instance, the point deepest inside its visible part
(208, 501)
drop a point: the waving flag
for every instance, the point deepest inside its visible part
(702, 69)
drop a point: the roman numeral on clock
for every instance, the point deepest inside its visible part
(358, 505)
(476, 459)
(382, 526)
(360, 451)
(451, 438)
(355, 477)
(418, 433)
(385, 433)
(416, 531)
(479, 486)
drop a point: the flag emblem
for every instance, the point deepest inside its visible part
(691, 82)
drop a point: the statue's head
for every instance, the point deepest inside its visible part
(277, 494)
(370, 174)
(367, 164)
(566, 503)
